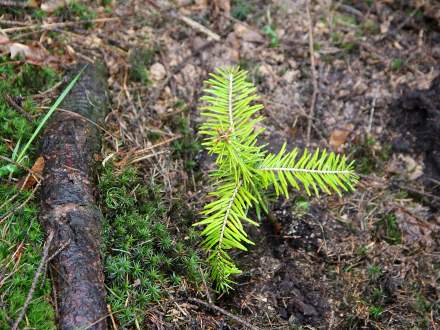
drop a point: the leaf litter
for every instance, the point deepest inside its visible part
(332, 265)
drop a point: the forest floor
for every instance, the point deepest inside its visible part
(367, 260)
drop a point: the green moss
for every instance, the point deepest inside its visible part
(344, 42)
(396, 64)
(39, 14)
(21, 239)
(77, 11)
(374, 271)
(144, 258)
(20, 82)
(376, 311)
(270, 32)
(345, 20)
(370, 155)
(336, 37)
(301, 207)
(241, 9)
(370, 26)
(21, 232)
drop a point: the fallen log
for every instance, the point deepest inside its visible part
(70, 143)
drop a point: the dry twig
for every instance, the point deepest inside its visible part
(50, 26)
(314, 75)
(18, 108)
(35, 280)
(18, 4)
(224, 312)
(109, 308)
(11, 212)
(197, 26)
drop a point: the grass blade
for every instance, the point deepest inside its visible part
(48, 115)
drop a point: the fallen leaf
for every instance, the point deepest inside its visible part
(414, 168)
(29, 181)
(417, 226)
(52, 5)
(247, 34)
(157, 72)
(34, 54)
(222, 10)
(339, 136)
(3, 39)
(223, 6)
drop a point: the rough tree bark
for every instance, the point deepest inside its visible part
(70, 144)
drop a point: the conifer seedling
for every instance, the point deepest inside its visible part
(245, 170)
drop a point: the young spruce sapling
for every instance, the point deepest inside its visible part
(244, 169)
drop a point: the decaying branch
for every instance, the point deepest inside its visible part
(70, 146)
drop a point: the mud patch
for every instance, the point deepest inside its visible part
(283, 279)
(297, 301)
(417, 116)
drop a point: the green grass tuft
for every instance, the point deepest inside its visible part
(140, 60)
(388, 229)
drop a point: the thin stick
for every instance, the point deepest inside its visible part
(148, 156)
(35, 281)
(370, 121)
(197, 26)
(101, 319)
(224, 312)
(109, 308)
(398, 185)
(7, 215)
(12, 23)
(17, 108)
(314, 75)
(167, 141)
(50, 26)
(19, 4)
(204, 284)
(50, 90)
(61, 248)
(87, 120)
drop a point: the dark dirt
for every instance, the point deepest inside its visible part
(417, 117)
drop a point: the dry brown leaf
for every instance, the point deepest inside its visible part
(30, 181)
(247, 34)
(52, 5)
(3, 39)
(157, 72)
(339, 136)
(412, 168)
(34, 54)
(222, 12)
(416, 227)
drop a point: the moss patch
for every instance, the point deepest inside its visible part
(21, 236)
(145, 260)
(21, 240)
